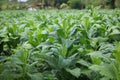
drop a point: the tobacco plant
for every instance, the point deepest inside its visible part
(60, 45)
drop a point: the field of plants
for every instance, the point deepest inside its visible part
(60, 45)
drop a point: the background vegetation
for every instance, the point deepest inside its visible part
(43, 4)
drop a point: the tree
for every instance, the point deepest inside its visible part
(112, 4)
(117, 3)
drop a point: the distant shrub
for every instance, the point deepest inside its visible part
(64, 6)
(108, 2)
(76, 4)
(4, 7)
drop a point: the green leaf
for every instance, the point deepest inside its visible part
(64, 51)
(36, 76)
(61, 33)
(83, 62)
(75, 72)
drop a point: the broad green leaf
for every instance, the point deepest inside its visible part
(75, 72)
(84, 63)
